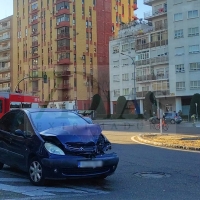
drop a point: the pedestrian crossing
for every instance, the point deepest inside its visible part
(21, 186)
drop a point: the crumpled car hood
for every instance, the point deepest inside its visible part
(74, 134)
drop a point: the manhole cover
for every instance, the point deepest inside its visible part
(152, 174)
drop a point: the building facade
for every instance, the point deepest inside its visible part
(5, 53)
(67, 40)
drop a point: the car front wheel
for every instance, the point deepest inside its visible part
(36, 172)
(1, 165)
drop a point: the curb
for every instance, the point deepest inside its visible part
(140, 139)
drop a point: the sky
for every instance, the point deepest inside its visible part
(6, 8)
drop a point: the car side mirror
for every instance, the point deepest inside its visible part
(19, 132)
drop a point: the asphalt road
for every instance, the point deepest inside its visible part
(144, 172)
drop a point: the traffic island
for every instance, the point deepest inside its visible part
(186, 142)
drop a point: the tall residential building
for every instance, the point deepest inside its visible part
(5, 53)
(68, 40)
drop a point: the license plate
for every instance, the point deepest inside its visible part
(90, 164)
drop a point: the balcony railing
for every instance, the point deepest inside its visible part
(5, 89)
(3, 69)
(149, 78)
(5, 38)
(63, 73)
(153, 61)
(63, 35)
(4, 79)
(151, 14)
(4, 48)
(151, 45)
(4, 28)
(64, 87)
(5, 58)
(158, 93)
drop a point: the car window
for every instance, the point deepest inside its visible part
(46, 120)
(6, 122)
(22, 122)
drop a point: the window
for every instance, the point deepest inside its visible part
(116, 93)
(116, 78)
(194, 84)
(126, 91)
(125, 47)
(178, 17)
(145, 88)
(116, 63)
(194, 66)
(194, 49)
(143, 55)
(193, 14)
(125, 77)
(193, 31)
(180, 85)
(179, 51)
(178, 33)
(116, 49)
(179, 68)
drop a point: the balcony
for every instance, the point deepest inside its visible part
(153, 61)
(63, 11)
(149, 78)
(62, 36)
(4, 79)
(5, 58)
(4, 69)
(63, 74)
(63, 48)
(35, 67)
(64, 87)
(60, 1)
(4, 48)
(5, 89)
(5, 38)
(158, 93)
(63, 23)
(157, 13)
(4, 28)
(35, 89)
(150, 2)
(151, 45)
(135, 6)
(64, 61)
(35, 43)
(34, 32)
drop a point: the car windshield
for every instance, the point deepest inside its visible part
(44, 120)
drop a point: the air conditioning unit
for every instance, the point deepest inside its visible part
(83, 57)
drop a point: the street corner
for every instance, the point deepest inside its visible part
(176, 141)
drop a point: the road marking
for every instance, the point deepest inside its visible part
(6, 184)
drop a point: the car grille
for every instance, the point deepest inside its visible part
(81, 148)
(85, 171)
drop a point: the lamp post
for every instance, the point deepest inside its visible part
(134, 79)
(196, 111)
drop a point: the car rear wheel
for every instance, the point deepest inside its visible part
(36, 172)
(1, 165)
(172, 121)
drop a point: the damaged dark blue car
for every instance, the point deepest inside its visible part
(54, 144)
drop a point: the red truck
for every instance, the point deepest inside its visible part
(9, 101)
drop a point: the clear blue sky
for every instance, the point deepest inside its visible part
(6, 8)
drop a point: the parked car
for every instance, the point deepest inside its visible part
(170, 117)
(54, 144)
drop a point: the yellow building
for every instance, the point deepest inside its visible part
(5, 53)
(68, 40)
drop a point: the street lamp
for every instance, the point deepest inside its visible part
(196, 111)
(134, 78)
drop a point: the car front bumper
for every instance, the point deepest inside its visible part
(62, 167)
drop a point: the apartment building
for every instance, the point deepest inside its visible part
(122, 64)
(68, 40)
(5, 53)
(184, 51)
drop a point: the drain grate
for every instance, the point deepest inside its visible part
(152, 174)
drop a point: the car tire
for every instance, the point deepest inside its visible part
(172, 121)
(36, 172)
(1, 165)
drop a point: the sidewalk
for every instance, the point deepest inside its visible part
(177, 141)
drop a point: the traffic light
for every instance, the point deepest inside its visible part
(45, 77)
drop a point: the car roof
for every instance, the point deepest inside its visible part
(31, 110)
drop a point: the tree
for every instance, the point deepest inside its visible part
(95, 102)
(150, 103)
(121, 104)
(195, 99)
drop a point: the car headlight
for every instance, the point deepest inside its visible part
(51, 148)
